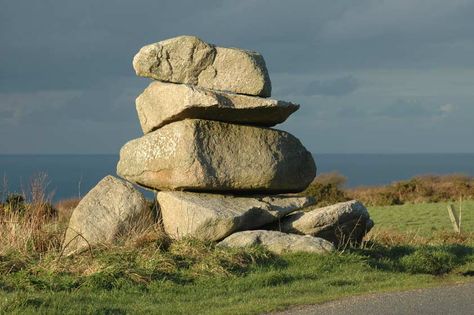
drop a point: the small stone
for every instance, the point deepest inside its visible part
(278, 242)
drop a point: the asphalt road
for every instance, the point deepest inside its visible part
(457, 299)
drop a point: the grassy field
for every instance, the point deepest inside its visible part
(190, 277)
(424, 219)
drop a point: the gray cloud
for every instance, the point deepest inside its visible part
(413, 109)
(405, 109)
(416, 19)
(67, 85)
(110, 101)
(351, 112)
(78, 42)
(335, 87)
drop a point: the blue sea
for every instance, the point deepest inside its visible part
(74, 175)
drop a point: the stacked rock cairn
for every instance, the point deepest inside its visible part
(220, 172)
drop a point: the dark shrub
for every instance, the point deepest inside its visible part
(327, 189)
(434, 261)
(14, 203)
(427, 188)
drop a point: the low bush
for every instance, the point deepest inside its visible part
(327, 189)
(415, 258)
(14, 203)
(427, 188)
(429, 260)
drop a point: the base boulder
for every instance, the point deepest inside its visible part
(212, 217)
(278, 242)
(110, 210)
(340, 223)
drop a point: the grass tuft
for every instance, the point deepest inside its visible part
(429, 260)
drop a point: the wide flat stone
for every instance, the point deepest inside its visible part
(278, 242)
(341, 223)
(162, 103)
(203, 155)
(109, 211)
(189, 60)
(212, 216)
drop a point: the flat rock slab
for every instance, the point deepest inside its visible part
(204, 155)
(189, 60)
(162, 103)
(110, 210)
(278, 242)
(212, 217)
(339, 223)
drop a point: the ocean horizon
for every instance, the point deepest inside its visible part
(73, 175)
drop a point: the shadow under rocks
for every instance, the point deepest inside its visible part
(469, 273)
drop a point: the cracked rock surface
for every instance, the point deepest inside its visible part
(212, 156)
(189, 60)
(162, 103)
(110, 210)
(212, 217)
(278, 242)
(339, 223)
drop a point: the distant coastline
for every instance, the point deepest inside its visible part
(370, 169)
(72, 175)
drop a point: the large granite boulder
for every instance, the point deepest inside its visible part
(278, 242)
(110, 210)
(341, 223)
(212, 217)
(189, 60)
(162, 103)
(204, 155)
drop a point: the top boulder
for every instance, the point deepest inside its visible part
(189, 60)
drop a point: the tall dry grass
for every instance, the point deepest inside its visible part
(31, 225)
(28, 221)
(32, 231)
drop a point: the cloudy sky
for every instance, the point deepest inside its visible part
(394, 76)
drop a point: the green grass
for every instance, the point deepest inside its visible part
(424, 219)
(276, 284)
(192, 277)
